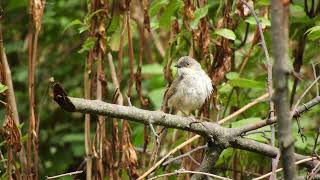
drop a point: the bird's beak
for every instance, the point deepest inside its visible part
(177, 66)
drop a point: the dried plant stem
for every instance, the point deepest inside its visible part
(114, 78)
(184, 155)
(118, 100)
(168, 155)
(101, 80)
(11, 96)
(63, 175)
(120, 53)
(131, 58)
(182, 171)
(101, 131)
(280, 169)
(315, 75)
(314, 171)
(158, 44)
(274, 167)
(32, 152)
(244, 108)
(87, 95)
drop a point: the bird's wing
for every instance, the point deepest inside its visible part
(170, 92)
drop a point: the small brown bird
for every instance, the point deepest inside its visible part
(190, 88)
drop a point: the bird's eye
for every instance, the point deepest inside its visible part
(188, 64)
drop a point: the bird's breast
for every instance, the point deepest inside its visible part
(192, 92)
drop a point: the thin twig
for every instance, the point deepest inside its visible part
(2, 102)
(302, 96)
(316, 141)
(264, 46)
(269, 63)
(315, 75)
(182, 171)
(280, 169)
(314, 171)
(131, 56)
(62, 175)
(168, 155)
(183, 155)
(120, 52)
(301, 109)
(158, 44)
(274, 167)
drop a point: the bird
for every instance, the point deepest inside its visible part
(190, 87)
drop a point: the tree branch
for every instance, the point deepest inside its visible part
(280, 41)
(265, 149)
(301, 109)
(211, 156)
(225, 137)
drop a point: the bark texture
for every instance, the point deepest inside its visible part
(224, 137)
(280, 28)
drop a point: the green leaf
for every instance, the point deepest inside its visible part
(252, 120)
(115, 25)
(138, 137)
(83, 28)
(226, 33)
(313, 33)
(181, 34)
(165, 19)
(297, 11)
(71, 138)
(3, 88)
(246, 121)
(263, 21)
(156, 97)
(313, 29)
(15, 4)
(78, 148)
(198, 14)
(232, 75)
(314, 36)
(156, 6)
(89, 16)
(88, 44)
(247, 83)
(224, 88)
(263, 3)
(153, 69)
(154, 23)
(73, 23)
(225, 155)
(15, 46)
(114, 42)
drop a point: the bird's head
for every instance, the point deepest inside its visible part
(187, 65)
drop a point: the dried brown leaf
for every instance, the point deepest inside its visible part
(37, 12)
(12, 131)
(129, 157)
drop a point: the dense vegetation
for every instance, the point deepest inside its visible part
(80, 42)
